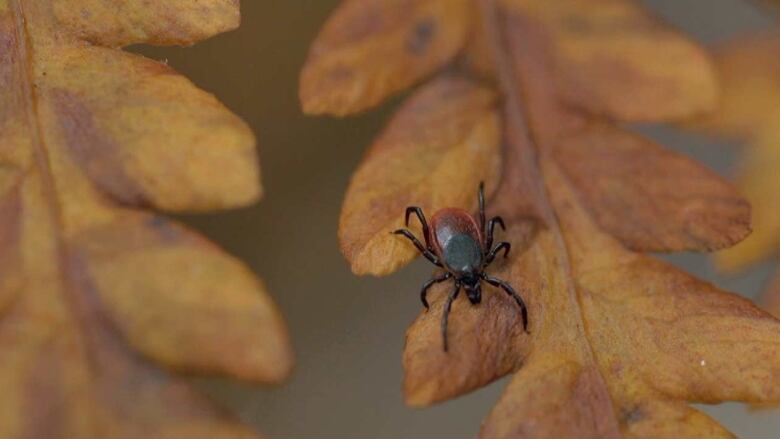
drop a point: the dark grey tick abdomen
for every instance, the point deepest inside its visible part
(462, 253)
(457, 241)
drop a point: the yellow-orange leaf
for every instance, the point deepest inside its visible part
(619, 343)
(750, 72)
(613, 57)
(658, 338)
(617, 350)
(757, 179)
(129, 263)
(489, 333)
(651, 198)
(100, 303)
(118, 146)
(749, 69)
(159, 22)
(369, 50)
(433, 154)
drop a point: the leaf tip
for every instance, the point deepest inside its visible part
(319, 99)
(419, 396)
(382, 255)
(281, 363)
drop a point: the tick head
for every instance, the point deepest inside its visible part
(473, 289)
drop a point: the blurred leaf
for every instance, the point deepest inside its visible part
(774, 5)
(771, 298)
(101, 303)
(619, 342)
(750, 73)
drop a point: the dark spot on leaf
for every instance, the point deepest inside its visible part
(631, 415)
(164, 229)
(421, 36)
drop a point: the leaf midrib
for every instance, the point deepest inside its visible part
(515, 117)
(43, 163)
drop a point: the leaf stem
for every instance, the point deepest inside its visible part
(523, 171)
(43, 163)
(520, 151)
(523, 150)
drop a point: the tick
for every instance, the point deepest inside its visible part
(463, 247)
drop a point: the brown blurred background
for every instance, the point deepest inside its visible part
(348, 332)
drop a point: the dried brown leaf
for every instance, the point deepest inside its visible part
(649, 197)
(749, 69)
(750, 73)
(612, 57)
(101, 303)
(413, 38)
(419, 160)
(651, 338)
(619, 343)
(168, 22)
(488, 333)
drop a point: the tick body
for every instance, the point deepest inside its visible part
(463, 246)
(457, 241)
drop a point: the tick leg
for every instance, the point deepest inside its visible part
(425, 252)
(435, 280)
(481, 197)
(445, 315)
(491, 225)
(509, 290)
(500, 246)
(421, 216)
